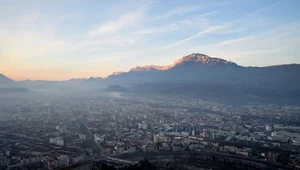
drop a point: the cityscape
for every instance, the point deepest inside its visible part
(57, 132)
(149, 85)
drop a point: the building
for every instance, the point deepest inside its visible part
(296, 142)
(82, 136)
(150, 147)
(268, 128)
(159, 138)
(57, 141)
(142, 126)
(64, 160)
(272, 157)
(98, 138)
(203, 133)
(60, 142)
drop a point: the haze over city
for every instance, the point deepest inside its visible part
(149, 84)
(60, 40)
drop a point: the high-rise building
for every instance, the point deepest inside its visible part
(193, 132)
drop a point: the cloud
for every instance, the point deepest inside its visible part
(221, 3)
(178, 11)
(230, 31)
(133, 34)
(27, 37)
(266, 43)
(68, 62)
(176, 25)
(265, 51)
(255, 13)
(160, 29)
(24, 45)
(151, 31)
(208, 13)
(112, 40)
(265, 38)
(228, 42)
(201, 20)
(125, 21)
(206, 31)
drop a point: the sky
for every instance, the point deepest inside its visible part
(63, 39)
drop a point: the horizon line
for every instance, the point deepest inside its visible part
(104, 77)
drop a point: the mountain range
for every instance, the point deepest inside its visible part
(7, 85)
(200, 68)
(200, 76)
(5, 81)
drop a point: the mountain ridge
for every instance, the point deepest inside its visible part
(198, 59)
(150, 68)
(8, 85)
(196, 75)
(194, 58)
(214, 78)
(203, 59)
(5, 81)
(191, 65)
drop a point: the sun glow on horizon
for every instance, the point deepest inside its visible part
(59, 40)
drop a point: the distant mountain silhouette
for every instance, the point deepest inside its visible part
(5, 81)
(7, 85)
(202, 68)
(150, 68)
(195, 75)
(200, 75)
(202, 60)
(93, 79)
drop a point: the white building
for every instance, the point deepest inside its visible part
(185, 134)
(142, 126)
(57, 141)
(268, 128)
(60, 142)
(98, 138)
(273, 134)
(52, 140)
(296, 142)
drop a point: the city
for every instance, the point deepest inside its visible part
(149, 85)
(57, 132)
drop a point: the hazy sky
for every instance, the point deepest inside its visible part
(58, 39)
